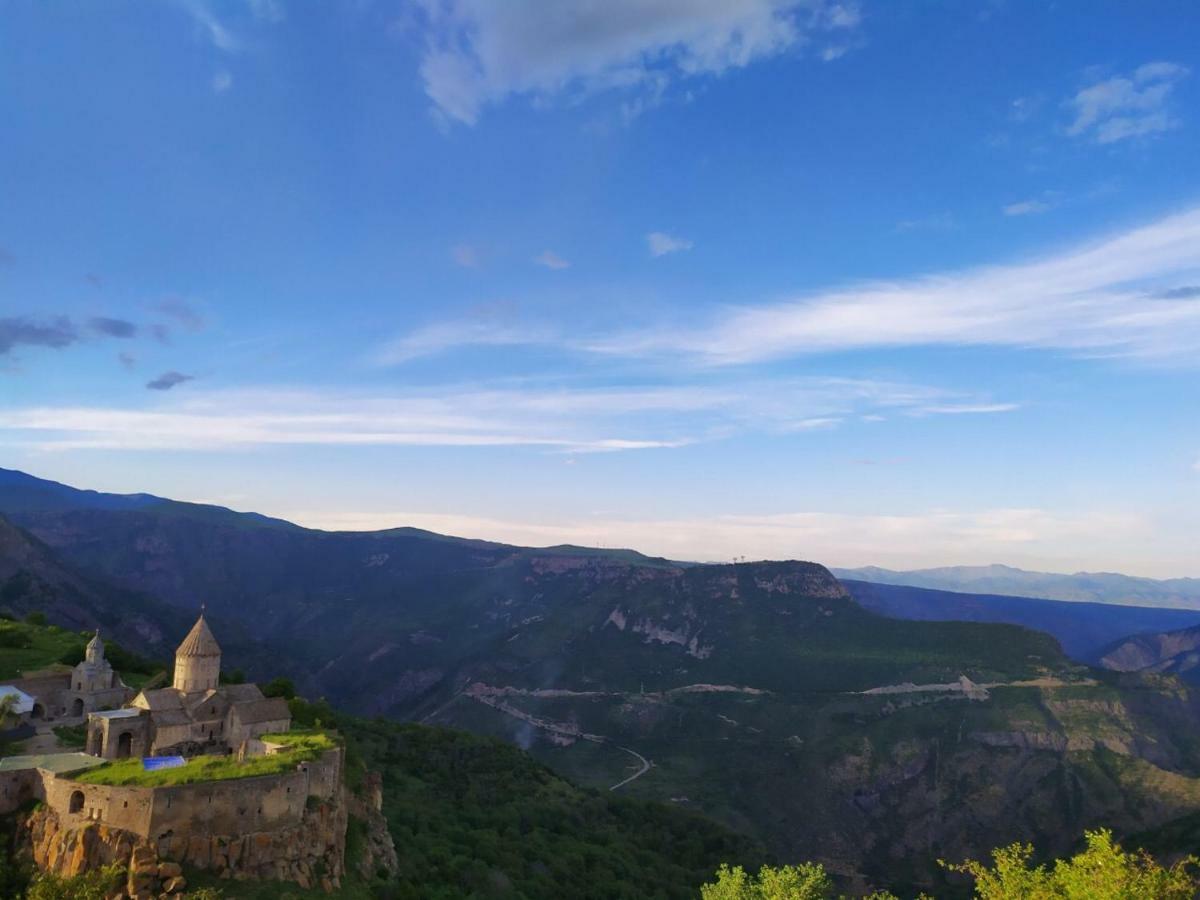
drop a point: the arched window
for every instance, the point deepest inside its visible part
(76, 802)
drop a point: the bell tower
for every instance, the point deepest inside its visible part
(198, 660)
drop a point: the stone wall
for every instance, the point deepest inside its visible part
(250, 828)
(127, 808)
(17, 788)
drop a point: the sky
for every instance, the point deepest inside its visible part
(890, 283)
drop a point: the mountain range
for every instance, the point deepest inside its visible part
(1094, 587)
(759, 694)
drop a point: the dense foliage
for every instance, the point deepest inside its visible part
(1103, 871)
(474, 817)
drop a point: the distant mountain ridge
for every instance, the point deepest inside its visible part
(1171, 653)
(1084, 629)
(1094, 587)
(760, 694)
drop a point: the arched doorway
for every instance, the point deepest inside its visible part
(76, 802)
(77, 707)
(39, 711)
(124, 744)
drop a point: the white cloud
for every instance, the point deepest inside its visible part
(1034, 206)
(1102, 299)
(478, 331)
(1128, 106)
(661, 244)
(212, 27)
(480, 52)
(934, 537)
(222, 81)
(551, 260)
(566, 419)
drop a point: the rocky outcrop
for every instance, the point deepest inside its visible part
(377, 854)
(310, 854)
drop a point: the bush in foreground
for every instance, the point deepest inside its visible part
(1103, 871)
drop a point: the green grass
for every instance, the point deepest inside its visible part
(28, 648)
(129, 772)
(71, 736)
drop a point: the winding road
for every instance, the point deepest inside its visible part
(646, 764)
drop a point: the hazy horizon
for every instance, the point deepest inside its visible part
(906, 285)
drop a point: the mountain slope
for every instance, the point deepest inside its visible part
(1085, 630)
(760, 694)
(1098, 587)
(1172, 652)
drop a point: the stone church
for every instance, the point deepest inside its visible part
(196, 715)
(91, 685)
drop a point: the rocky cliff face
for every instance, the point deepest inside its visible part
(311, 854)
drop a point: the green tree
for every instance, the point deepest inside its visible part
(807, 881)
(94, 885)
(279, 687)
(1101, 872)
(36, 618)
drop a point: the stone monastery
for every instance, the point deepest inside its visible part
(289, 824)
(196, 715)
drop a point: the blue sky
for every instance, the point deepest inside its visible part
(868, 283)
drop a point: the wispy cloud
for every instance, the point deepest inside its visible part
(56, 333)
(1043, 203)
(1127, 106)
(213, 29)
(566, 419)
(222, 81)
(661, 243)
(477, 331)
(118, 328)
(1102, 299)
(551, 260)
(181, 312)
(479, 52)
(168, 380)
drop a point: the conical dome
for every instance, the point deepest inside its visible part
(95, 649)
(199, 641)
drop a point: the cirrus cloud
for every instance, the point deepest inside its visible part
(479, 52)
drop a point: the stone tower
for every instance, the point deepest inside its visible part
(95, 649)
(198, 660)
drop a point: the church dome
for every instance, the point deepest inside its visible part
(199, 641)
(95, 648)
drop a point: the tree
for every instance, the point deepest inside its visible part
(279, 687)
(8, 704)
(807, 881)
(36, 618)
(1101, 872)
(94, 885)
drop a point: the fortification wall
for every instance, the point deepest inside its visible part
(262, 828)
(127, 808)
(229, 807)
(19, 787)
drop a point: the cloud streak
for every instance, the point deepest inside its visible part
(1102, 299)
(168, 380)
(1130, 296)
(479, 52)
(661, 244)
(21, 331)
(1129, 106)
(575, 420)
